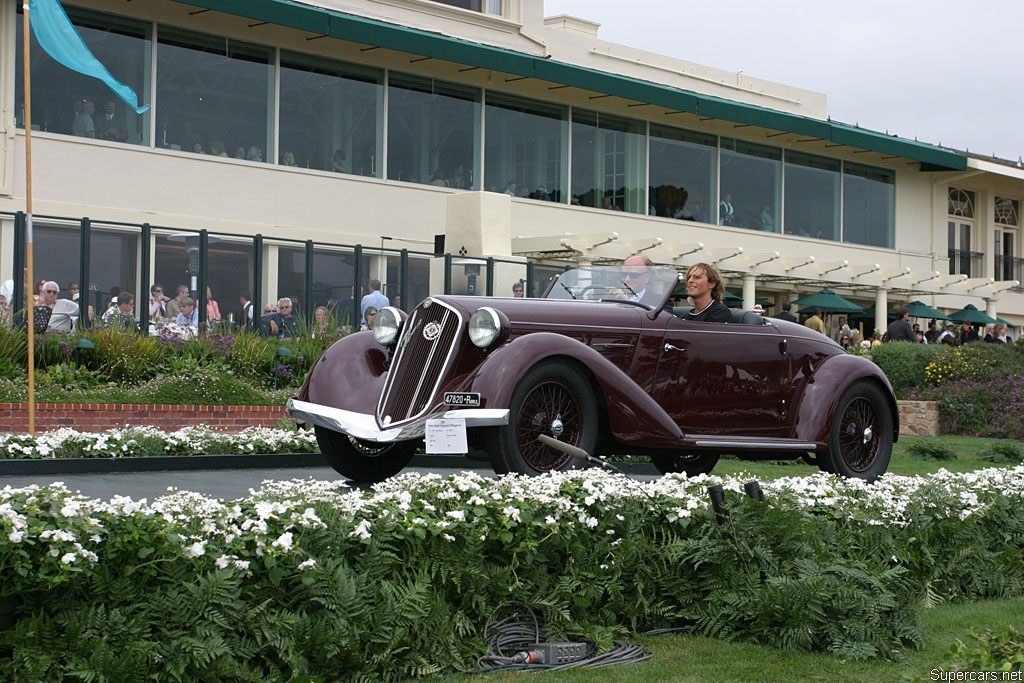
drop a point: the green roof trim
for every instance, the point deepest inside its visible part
(325, 22)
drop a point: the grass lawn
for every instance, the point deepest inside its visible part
(967, 450)
(683, 658)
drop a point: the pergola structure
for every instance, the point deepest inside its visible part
(799, 273)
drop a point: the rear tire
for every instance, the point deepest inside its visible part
(553, 399)
(860, 441)
(363, 461)
(691, 464)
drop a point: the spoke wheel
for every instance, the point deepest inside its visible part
(552, 399)
(860, 442)
(363, 460)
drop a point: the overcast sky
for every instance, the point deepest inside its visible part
(943, 71)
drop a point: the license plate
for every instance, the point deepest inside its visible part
(462, 398)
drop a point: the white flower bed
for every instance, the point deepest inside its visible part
(148, 441)
(71, 527)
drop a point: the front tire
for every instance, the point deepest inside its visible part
(860, 441)
(363, 461)
(553, 399)
(691, 464)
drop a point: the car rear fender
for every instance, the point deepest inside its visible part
(634, 417)
(349, 375)
(831, 379)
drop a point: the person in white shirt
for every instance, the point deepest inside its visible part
(63, 312)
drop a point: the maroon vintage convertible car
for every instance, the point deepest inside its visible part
(598, 373)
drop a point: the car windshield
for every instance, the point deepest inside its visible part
(645, 284)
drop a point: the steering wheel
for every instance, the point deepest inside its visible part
(595, 292)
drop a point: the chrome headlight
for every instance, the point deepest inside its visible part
(486, 326)
(386, 325)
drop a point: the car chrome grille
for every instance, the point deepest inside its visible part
(427, 345)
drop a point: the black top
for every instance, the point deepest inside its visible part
(785, 315)
(715, 312)
(900, 330)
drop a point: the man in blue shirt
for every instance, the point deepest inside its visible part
(374, 298)
(189, 315)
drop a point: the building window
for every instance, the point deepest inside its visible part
(812, 198)
(1008, 266)
(869, 206)
(961, 203)
(330, 115)
(113, 262)
(433, 129)
(608, 162)
(213, 95)
(488, 6)
(525, 148)
(61, 96)
(683, 173)
(751, 180)
(960, 229)
(1007, 211)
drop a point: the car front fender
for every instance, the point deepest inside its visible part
(349, 375)
(634, 417)
(832, 378)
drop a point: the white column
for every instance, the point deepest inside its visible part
(990, 308)
(881, 309)
(748, 291)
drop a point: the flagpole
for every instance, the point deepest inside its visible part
(29, 254)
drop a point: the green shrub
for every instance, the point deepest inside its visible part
(991, 408)
(974, 362)
(67, 377)
(252, 356)
(991, 652)
(1002, 453)
(201, 386)
(13, 352)
(125, 358)
(53, 349)
(904, 364)
(931, 449)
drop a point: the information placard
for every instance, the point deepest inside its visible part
(446, 436)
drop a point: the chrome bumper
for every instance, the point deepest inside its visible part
(364, 425)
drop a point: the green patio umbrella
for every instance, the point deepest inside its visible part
(829, 302)
(971, 314)
(731, 300)
(869, 314)
(919, 309)
(1006, 322)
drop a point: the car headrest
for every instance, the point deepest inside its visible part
(742, 317)
(739, 316)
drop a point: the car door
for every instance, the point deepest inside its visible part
(722, 378)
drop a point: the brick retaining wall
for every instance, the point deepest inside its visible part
(917, 418)
(98, 417)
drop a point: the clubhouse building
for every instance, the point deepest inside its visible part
(302, 148)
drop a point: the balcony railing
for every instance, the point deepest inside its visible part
(965, 262)
(1010, 268)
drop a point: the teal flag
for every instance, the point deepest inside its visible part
(60, 39)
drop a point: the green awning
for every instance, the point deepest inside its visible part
(373, 32)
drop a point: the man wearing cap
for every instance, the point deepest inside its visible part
(948, 336)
